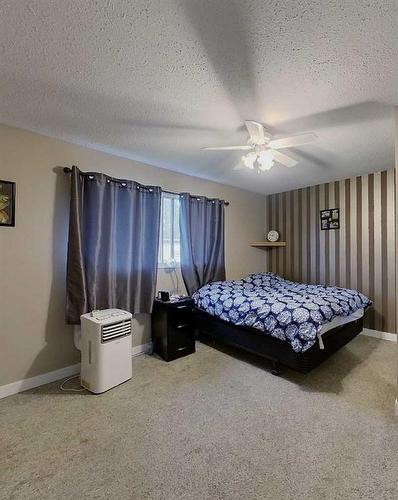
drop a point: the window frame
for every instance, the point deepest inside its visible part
(162, 264)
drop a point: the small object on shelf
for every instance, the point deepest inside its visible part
(268, 244)
(173, 329)
(273, 236)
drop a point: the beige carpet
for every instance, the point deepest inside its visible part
(211, 426)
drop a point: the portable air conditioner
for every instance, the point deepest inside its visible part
(105, 349)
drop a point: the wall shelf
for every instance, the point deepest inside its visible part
(268, 244)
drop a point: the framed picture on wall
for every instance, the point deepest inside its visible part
(330, 219)
(7, 203)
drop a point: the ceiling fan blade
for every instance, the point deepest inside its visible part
(295, 140)
(284, 159)
(229, 148)
(257, 133)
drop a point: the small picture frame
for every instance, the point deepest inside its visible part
(7, 203)
(330, 219)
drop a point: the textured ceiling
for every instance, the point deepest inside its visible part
(156, 80)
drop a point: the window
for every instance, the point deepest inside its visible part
(169, 238)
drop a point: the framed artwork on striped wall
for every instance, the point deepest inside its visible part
(330, 219)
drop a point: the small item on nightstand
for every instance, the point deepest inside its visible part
(163, 296)
(175, 298)
(173, 329)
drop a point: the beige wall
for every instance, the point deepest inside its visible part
(359, 255)
(34, 337)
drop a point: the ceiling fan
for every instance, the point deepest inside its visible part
(264, 150)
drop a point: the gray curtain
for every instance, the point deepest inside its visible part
(113, 245)
(202, 240)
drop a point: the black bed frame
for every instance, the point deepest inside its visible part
(211, 328)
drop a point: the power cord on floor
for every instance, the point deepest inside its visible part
(71, 389)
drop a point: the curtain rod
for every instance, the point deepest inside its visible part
(68, 170)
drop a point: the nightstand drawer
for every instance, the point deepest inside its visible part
(180, 317)
(181, 352)
(181, 335)
(181, 342)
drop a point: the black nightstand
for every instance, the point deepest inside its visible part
(173, 329)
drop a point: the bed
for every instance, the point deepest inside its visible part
(291, 324)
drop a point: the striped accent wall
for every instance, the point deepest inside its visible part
(360, 255)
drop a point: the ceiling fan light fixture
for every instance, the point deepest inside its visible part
(265, 160)
(249, 159)
(265, 167)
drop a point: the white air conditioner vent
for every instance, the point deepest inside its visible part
(115, 330)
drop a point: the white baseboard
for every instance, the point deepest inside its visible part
(379, 335)
(31, 383)
(47, 378)
(141, 349)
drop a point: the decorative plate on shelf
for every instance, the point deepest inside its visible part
(273, 235)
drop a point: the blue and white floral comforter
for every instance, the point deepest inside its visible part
(289, 311)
